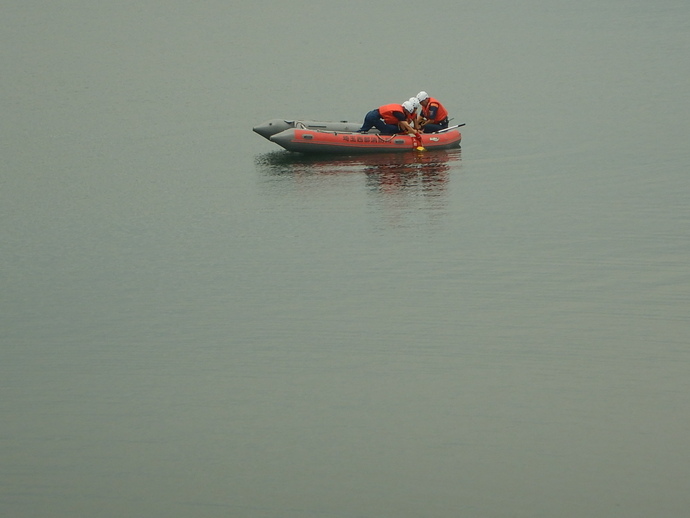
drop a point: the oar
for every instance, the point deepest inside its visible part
(451, 128)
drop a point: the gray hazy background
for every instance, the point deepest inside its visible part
(194, 323)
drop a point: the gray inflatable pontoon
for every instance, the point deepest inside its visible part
(275, 126)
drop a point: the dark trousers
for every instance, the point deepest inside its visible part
(373, 120)
(432, 128)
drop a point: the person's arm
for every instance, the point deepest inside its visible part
(433, 110)
(403, 124)
(407, 128)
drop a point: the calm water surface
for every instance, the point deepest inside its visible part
(195, 323)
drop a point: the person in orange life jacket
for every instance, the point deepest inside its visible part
(416, 116)
(434, 116)
(390, 119)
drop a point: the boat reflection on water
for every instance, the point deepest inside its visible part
(426, 173)
(408, 189)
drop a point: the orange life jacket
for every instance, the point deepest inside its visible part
(387, 110)
(441, 112)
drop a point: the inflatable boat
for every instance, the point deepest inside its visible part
(342, 138)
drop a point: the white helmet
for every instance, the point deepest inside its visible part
(415, 102)
(421, 96)
(408, 106)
